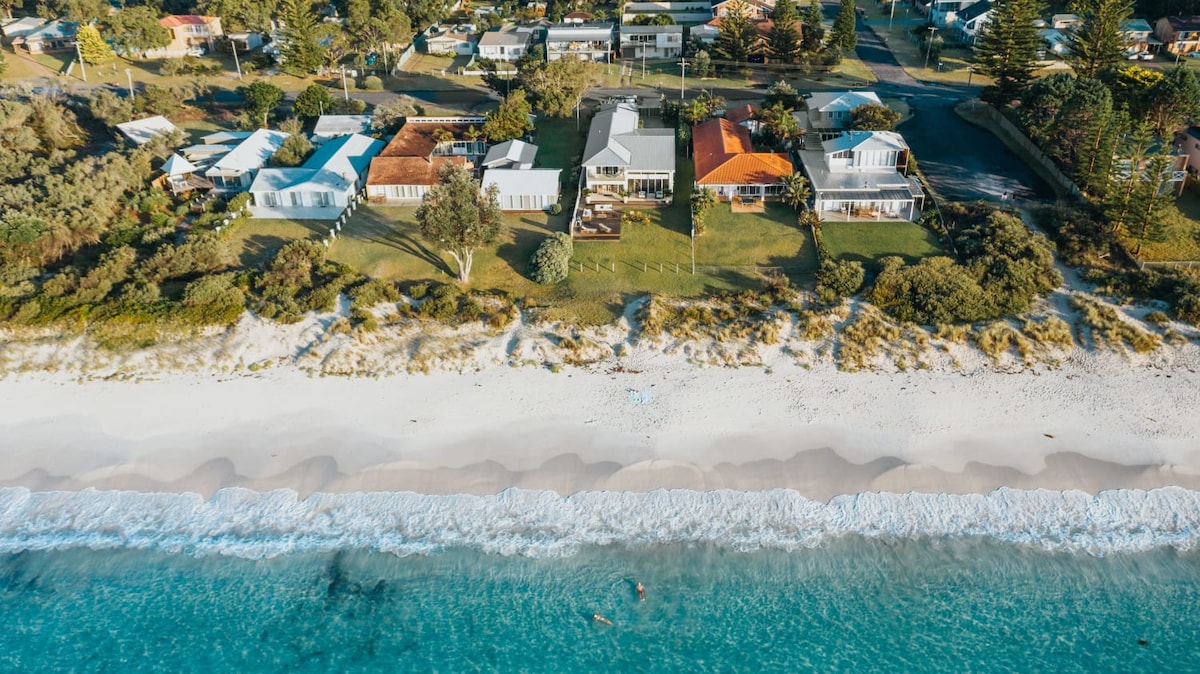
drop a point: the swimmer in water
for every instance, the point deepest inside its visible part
(641, 590)
(601, 619)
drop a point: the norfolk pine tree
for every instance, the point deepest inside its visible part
(301, 53)
(842, 38)
(812, 34)
(1097, 45)
(783, 44)
(1007, 49)
(457, 218)
(735, 36)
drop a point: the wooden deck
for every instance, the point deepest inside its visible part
(598, 224)
(739, 205)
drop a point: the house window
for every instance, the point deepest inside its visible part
(321, 199)
(271, 198)
(609, 171)
(296, 200)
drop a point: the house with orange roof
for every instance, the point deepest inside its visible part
(189, 33)
(408, 166)
(727, 164)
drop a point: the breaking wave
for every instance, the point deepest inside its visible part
(251, 524)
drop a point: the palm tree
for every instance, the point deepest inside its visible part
(795, 191)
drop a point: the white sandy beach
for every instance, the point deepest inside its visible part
(654, 418)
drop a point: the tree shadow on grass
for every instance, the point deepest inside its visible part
(521, 244)
(258, 248)
(375, 230)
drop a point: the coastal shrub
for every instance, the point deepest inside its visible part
(934, 290)
(1158, 318)
(1106, 326)
(814, 326)
(372, 83)
(196, 255)
(998, 338)
(417, 291)
(442, 304)
(555, 209)
(551, 262)
(112, 269)
(1052, 331)
(364, 320)
(838, 279)
(777, 287)
(864, 338)
(1081, 234)
(373, 292)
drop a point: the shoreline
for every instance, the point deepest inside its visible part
(651, 421)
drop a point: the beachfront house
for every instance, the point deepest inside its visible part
(507, 43)
(450, 41)
(409, 165)
(727, 164)
(829, 112)
(15, 28)
(588, 42)
(967, 25)
(322, 187)
(943, 13)
(48, 37)
(511, 154)
(191, 35)
(524, 189)
(862, 175)
(329, 127)
(623, 162)
(651, 42)
(182, 176)
(142, 131)
(235, 171)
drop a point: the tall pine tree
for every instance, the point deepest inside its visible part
(812, 33)
(1007, 48)
(843, 38)
(735, 36)
(783, 44)
(92, 47)
(1097, 45)
(301, 53)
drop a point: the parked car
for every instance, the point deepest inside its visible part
(197, 51)
(1194, 54)
(1141, 56)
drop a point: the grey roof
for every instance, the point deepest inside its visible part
(253, 152)
(336, 165)
(52, 31)
(866, 140)
(178, 166)
(614, 139)
(584, 32)
(823, 180)
(341, 125)
(650, 30)
(506, 36)
(974, 11)
(522, 181)
(223, 137)
(515, 151)
(142, 131)
(22, 26)
(844, 101)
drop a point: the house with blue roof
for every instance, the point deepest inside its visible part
(322, 187)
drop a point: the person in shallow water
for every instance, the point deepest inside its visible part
(641, 590)
(601, 619)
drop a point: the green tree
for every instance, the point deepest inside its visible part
(110, 108)
(1041, 103)
(556, 87)
(783, 43)
(313, 102)
(301, 52)
(736, 37)
(782, 92)
(510, 120)
(843, 37)
(295, 149)
(777, 125)
(702, 200)
(241, 14)
(702, 64)
(7, 6)
(1007, 49)
(92, 46)
(261, 99)
(796, 191)
(551, 262)
(80, 11)
(812, 32)
(837, 279)
(871, 117)
(1136, 196)
(1131, 87)
(136, 29)
(1097, 45)
(389, 115)
(1173, 100)
(457, 218)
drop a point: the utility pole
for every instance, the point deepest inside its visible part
(345, 89)
(891, 17)
(682, 76)
(643, 62)
(79, 55)
(236, 64)
(129, 78)
(929, 47)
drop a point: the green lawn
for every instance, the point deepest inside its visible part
(867, 242)
(1182, 240)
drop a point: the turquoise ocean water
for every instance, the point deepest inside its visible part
(97, 581)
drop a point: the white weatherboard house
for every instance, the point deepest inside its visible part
(620, 157)
(329, 127)
(651, 42)
(829, 111)
(588, 41)
(524, 189)
(507, 43)
(858, 175)
(142, 131)
(320, 189)
(510, 154)
(235, 171)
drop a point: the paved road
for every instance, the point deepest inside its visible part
(960, 160)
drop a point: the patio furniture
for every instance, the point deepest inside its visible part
(658, 194)
(641, 194)
(604, 228)
(587, 230)
(603, 208)
(587, 215)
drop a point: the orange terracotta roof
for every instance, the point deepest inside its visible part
(741, 113)
(416, 139)
(177, 20)
(724, 156)
(409, 170)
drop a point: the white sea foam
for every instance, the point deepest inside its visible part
(252, 524)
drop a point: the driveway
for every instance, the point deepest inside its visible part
(961, 161)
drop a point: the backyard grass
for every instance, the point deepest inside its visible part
(1182, 240)
(867, 242)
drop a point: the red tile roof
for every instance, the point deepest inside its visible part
(742, 113)
(416, 139)
(409, 170)
(724, 156)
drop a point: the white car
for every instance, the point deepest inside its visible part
(197, 51)
(1141, 56)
